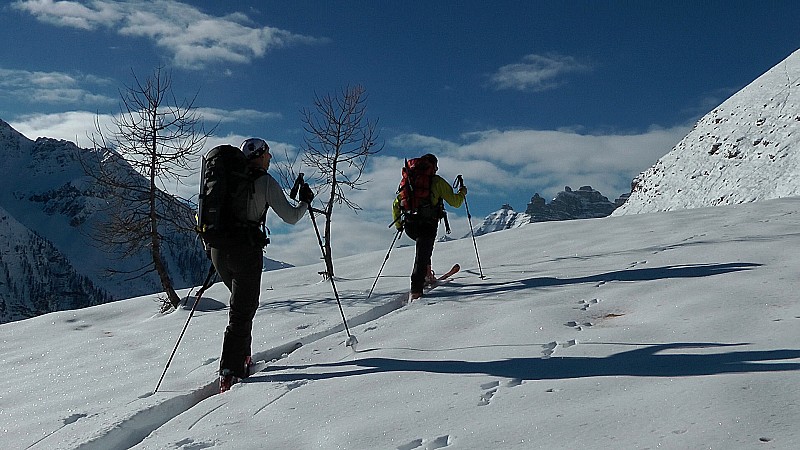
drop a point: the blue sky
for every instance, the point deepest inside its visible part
(519, 96)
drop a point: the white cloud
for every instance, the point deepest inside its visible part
(536, 72)
(71, 13)
(214, 115)
(429, 144)
(192, 37)
(75, 126)
(51, 87)
(496, 165)
(495, 161)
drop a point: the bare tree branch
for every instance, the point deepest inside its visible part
(152, 143)
(338, 142)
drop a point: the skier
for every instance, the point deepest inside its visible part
(421, 222)
(239, 260)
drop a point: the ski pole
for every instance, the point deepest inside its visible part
(351, 340)
(397, 235)
(460, 183)
(205, 286)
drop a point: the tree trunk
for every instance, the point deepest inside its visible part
(155, 238)
(328, 257)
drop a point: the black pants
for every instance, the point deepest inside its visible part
(240, 270)
(425, 235)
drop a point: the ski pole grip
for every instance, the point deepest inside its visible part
(297, 183)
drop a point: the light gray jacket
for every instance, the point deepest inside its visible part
(268, 194)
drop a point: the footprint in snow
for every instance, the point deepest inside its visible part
(514, 382)
(74, 418)
(189, 444)
(424, 444)
(549, 349)
(486, 397)
(585, 304)
(579, 326)
(490, 389)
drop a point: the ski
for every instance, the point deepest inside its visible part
(256, 367)
(447, 275)
(439, 280)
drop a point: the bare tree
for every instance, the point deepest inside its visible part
(150, 144)
(339, 140)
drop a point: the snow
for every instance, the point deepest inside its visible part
(744, 150)
(662, 330)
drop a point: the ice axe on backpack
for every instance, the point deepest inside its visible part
(459, 183)
(299, 182)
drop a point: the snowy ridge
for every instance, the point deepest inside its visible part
(745, 150)
(585, 203)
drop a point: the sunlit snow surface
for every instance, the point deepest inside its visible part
(664, 330)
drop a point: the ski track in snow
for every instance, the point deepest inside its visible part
(131, 430)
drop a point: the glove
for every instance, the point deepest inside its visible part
(306, 195)
(463, 191)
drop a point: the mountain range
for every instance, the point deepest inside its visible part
(742, 151)
(49, 209)
(585, 203)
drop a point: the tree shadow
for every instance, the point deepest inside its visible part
(643, 362)
(644, 274)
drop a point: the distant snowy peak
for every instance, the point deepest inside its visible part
(503, 219)
(14, 144)
(585, 203)
(745, 150)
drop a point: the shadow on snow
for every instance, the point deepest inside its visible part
(643, 362)
(645, 274)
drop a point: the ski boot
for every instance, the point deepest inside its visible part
(228, 379)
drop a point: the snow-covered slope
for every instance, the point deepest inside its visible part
(745, 150)
(673, 330)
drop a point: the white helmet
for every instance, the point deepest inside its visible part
(254, 147)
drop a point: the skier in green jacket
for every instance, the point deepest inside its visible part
(423, 226)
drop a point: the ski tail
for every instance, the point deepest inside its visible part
(450, 273)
